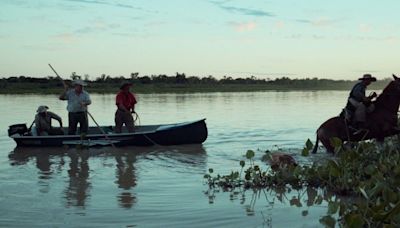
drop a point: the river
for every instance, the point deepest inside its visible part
(159, 186)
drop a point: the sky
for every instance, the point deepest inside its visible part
(238, 38)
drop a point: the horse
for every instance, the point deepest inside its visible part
(381, 123)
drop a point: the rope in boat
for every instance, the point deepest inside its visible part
(137, 118)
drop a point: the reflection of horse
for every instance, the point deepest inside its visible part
(382, 122)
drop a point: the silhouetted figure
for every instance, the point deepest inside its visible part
(359, 103)
(125, 101)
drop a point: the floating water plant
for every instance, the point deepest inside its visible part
(363, 182)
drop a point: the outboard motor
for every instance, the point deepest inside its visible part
(20, 129)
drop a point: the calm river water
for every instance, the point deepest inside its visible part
(159, 186)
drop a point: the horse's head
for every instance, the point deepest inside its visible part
(391, 94)
(396, 80)
(393, 88)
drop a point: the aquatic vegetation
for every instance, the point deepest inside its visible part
(360, 184)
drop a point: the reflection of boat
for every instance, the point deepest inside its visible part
(167, 134)
(21, 155)
(83, 167)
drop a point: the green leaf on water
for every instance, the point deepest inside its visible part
(328, 221)
(309, 144)
(364, 193)
(333, 207)
(336, 142)
(305, 152)
(210, 170)
(354, 220)
(250, 154)
(242, 163)
(334, 169)
(370, 169)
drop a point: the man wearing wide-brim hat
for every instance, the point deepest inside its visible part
(125, 101)
(43, 122)
(360, 103)
(78, 100)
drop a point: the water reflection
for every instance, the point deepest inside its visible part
(126, 178)
(43, 159)
(268, 201)
(78, 187)
(79, 166)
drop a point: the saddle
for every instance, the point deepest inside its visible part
(348, 117)
(348, 113)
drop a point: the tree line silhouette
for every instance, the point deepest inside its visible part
(162, 82)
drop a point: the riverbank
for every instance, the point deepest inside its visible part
(107, 88)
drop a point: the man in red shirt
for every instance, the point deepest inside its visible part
(125, 102)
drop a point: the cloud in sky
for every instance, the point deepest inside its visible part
(66, 37)
(243, 26)
(241, 10)
(109, 3)
(318, 22)
(97, 26)
(280, 24)
(365, 28)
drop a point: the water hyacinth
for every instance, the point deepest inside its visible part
(360, 184)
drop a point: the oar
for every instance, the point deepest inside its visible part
(101, 129)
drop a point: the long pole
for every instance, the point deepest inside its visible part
(101, 129)
(58, 76)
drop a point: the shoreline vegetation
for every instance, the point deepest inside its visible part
(180, 83)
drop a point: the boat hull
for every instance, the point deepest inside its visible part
(169, 134)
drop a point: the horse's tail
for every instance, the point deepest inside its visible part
(316, 145)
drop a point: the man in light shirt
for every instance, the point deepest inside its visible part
(78, 100)
(43, 122)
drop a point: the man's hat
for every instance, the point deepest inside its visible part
(42, 108)
(125, 83)
(79, 82)
(368, 77)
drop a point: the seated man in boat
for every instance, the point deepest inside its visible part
(43, 122)
(358, 103)
(125, 101)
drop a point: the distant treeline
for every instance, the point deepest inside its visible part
(178, 83)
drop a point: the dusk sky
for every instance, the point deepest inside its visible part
(267, 39)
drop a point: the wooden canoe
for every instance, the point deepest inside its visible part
(194, 132)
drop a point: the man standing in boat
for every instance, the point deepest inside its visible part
(125, 101)
(359, 103)
(78, 100)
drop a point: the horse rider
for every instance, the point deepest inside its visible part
(359, 103)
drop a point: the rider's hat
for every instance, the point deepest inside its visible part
(368, 77)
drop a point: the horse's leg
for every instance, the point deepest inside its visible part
(315, 145)
(327, 143)
(379, 142)
(325, 140)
